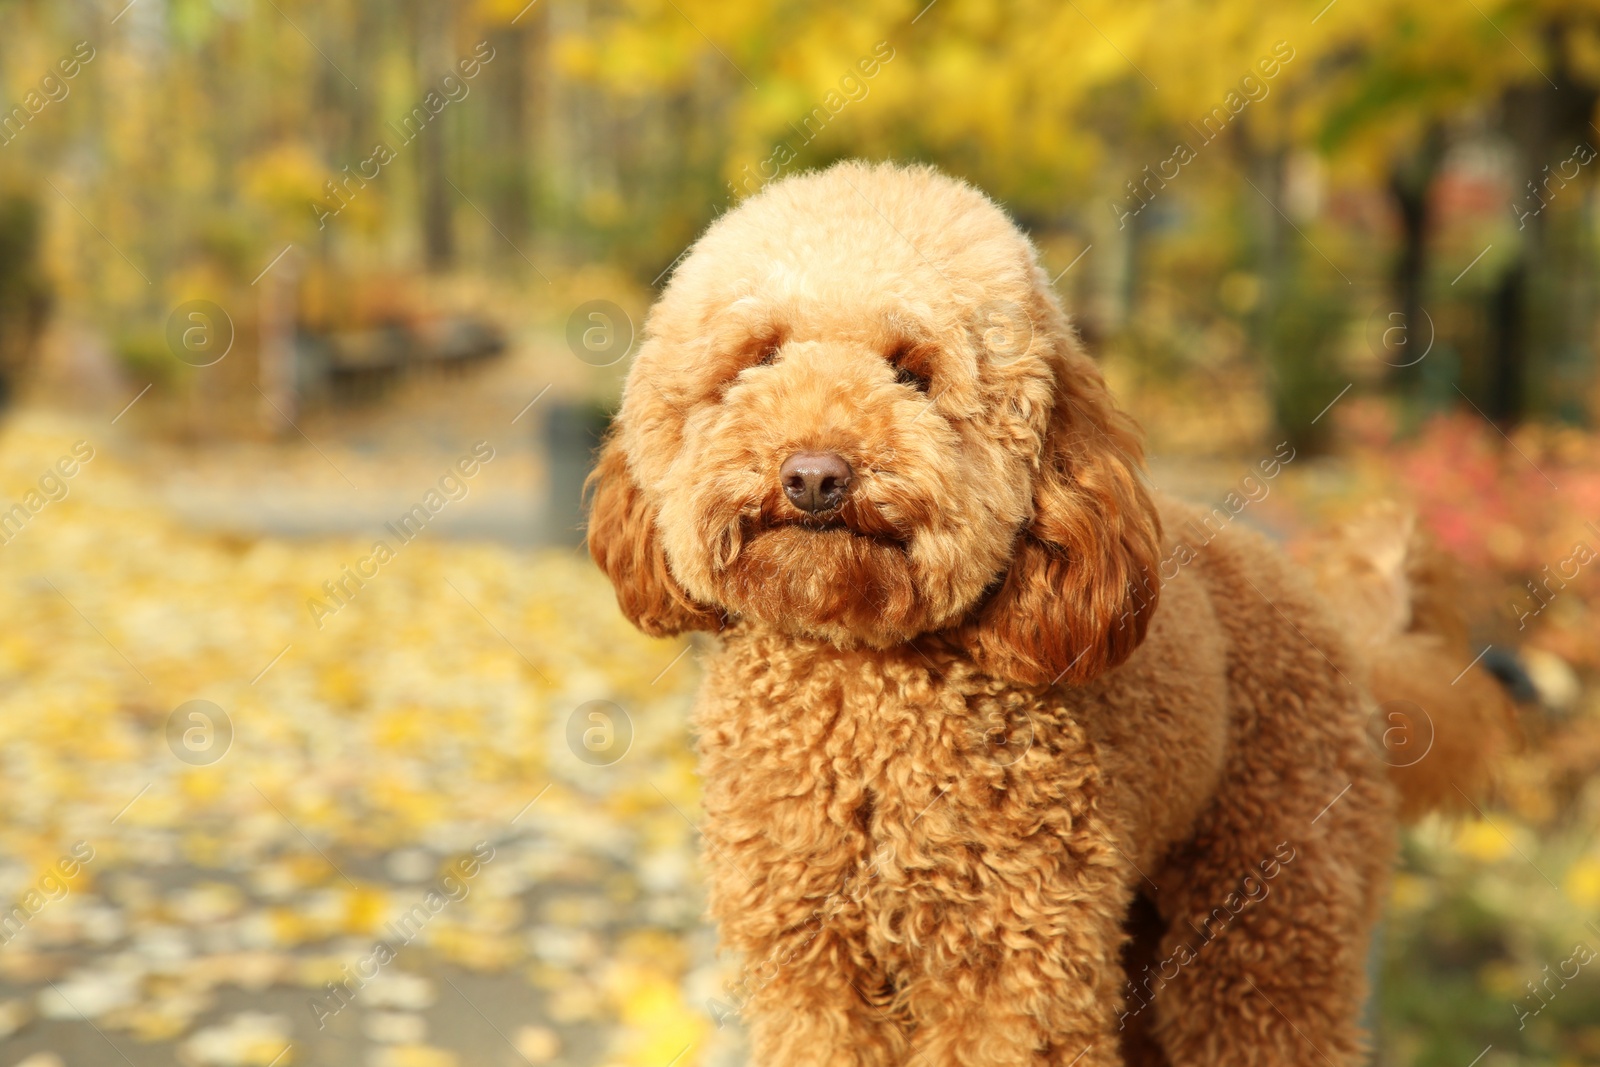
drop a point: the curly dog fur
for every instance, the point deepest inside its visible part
(994, 772)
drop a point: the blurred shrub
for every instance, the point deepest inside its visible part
(143, 355)
(1302, 334)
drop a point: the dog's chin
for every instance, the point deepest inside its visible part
(827, 579)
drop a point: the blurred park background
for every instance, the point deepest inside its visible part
(276, 273)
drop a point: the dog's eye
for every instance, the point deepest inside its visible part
(907, 376)
(906, 371)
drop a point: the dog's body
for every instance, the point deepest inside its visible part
(954, 724)
(897, 838)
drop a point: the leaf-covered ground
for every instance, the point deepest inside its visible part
(401, 773)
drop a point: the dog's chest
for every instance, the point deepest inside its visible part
(877, 788)
(833, 727)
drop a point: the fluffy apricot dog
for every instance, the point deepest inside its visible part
(995, 773)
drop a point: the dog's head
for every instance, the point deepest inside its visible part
(859, 413)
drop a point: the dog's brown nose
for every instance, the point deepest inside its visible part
(815, 481)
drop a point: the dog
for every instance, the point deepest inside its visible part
(995, 772)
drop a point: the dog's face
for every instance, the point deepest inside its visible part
(859, 414)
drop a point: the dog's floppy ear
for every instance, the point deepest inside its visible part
(622, 540)
(1083, 580)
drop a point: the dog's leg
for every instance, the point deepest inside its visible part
(1016, 932)
(826, 1010)
(809, 991)
(1028, 999)
(1269, 916)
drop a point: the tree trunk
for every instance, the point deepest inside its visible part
(1504, 402)
(434, 60)
(508, 126)
(1543, 316)
(1411, 182)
